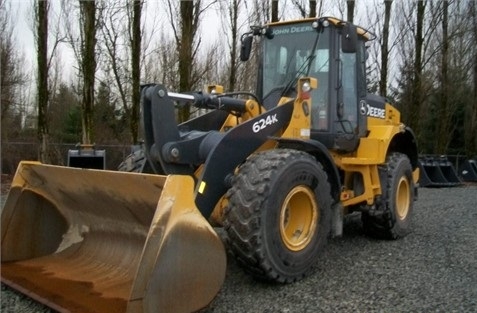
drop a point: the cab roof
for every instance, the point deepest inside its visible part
(366, 34)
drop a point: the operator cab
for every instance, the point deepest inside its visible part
(331, 50)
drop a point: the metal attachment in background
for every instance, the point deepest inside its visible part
(437, 171)
(468, 171)
(87, 156)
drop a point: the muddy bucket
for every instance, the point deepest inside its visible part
(83, 240)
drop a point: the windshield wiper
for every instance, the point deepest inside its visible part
(306, 64)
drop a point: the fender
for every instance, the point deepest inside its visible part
(322, 155)
(406, 142)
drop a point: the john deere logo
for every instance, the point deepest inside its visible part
(366, 109)
(362, 108)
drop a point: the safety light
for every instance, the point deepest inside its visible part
(306, 87)
(305, 90)
(323, 22)
(214, 89)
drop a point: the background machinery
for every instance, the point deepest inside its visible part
(278, 170)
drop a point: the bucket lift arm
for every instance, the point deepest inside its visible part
(219, 151)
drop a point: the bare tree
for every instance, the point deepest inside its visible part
(306, 8)
(161, 63)
(136, 69)
(12, 78)
(383, 82)
(231, 21)
(185, 18)
(259, 12)
(319, 12)
(470, 122)
(42, 85)
(410, 89)
(312, 8)
(275, 11)
(442, 138)
(341, 7)
(188, 31)
(454, 72)
(436, 70)
(185, 43)
(416, 92)
(82, 40)
(116, 61)
(88, 66)
(350, 10)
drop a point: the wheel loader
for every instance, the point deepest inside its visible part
(277, 169)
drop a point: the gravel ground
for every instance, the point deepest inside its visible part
(433, 269)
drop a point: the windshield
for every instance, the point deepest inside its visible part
(292, 53)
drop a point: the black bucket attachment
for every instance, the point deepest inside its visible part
(437, 171)
(86, 156)
(468, 171)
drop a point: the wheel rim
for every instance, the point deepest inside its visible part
(403, 197)
(299, 217)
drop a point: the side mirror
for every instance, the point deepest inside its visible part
(349, 38)
(246, 47)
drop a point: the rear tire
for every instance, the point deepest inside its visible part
(395, 219)
(278, 214)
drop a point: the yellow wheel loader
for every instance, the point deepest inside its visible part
(277, 170)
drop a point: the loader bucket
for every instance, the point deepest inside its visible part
(83, 240)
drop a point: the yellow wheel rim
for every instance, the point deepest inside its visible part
(298, 218)
(403, 198)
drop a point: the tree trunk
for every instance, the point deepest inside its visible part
(472, 117)
(185, 47)
(471, 110)
(274, 10)
(350, 7)
(383, 82)
(444, 131)
(312, 8)
(88, 67)
(233, 48)
(136, 70)
(42, 87)
(416, 97)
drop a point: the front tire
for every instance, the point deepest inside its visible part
(397, 209)
(278, 214)
(136, 162)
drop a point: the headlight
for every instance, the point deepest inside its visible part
(306, 87)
